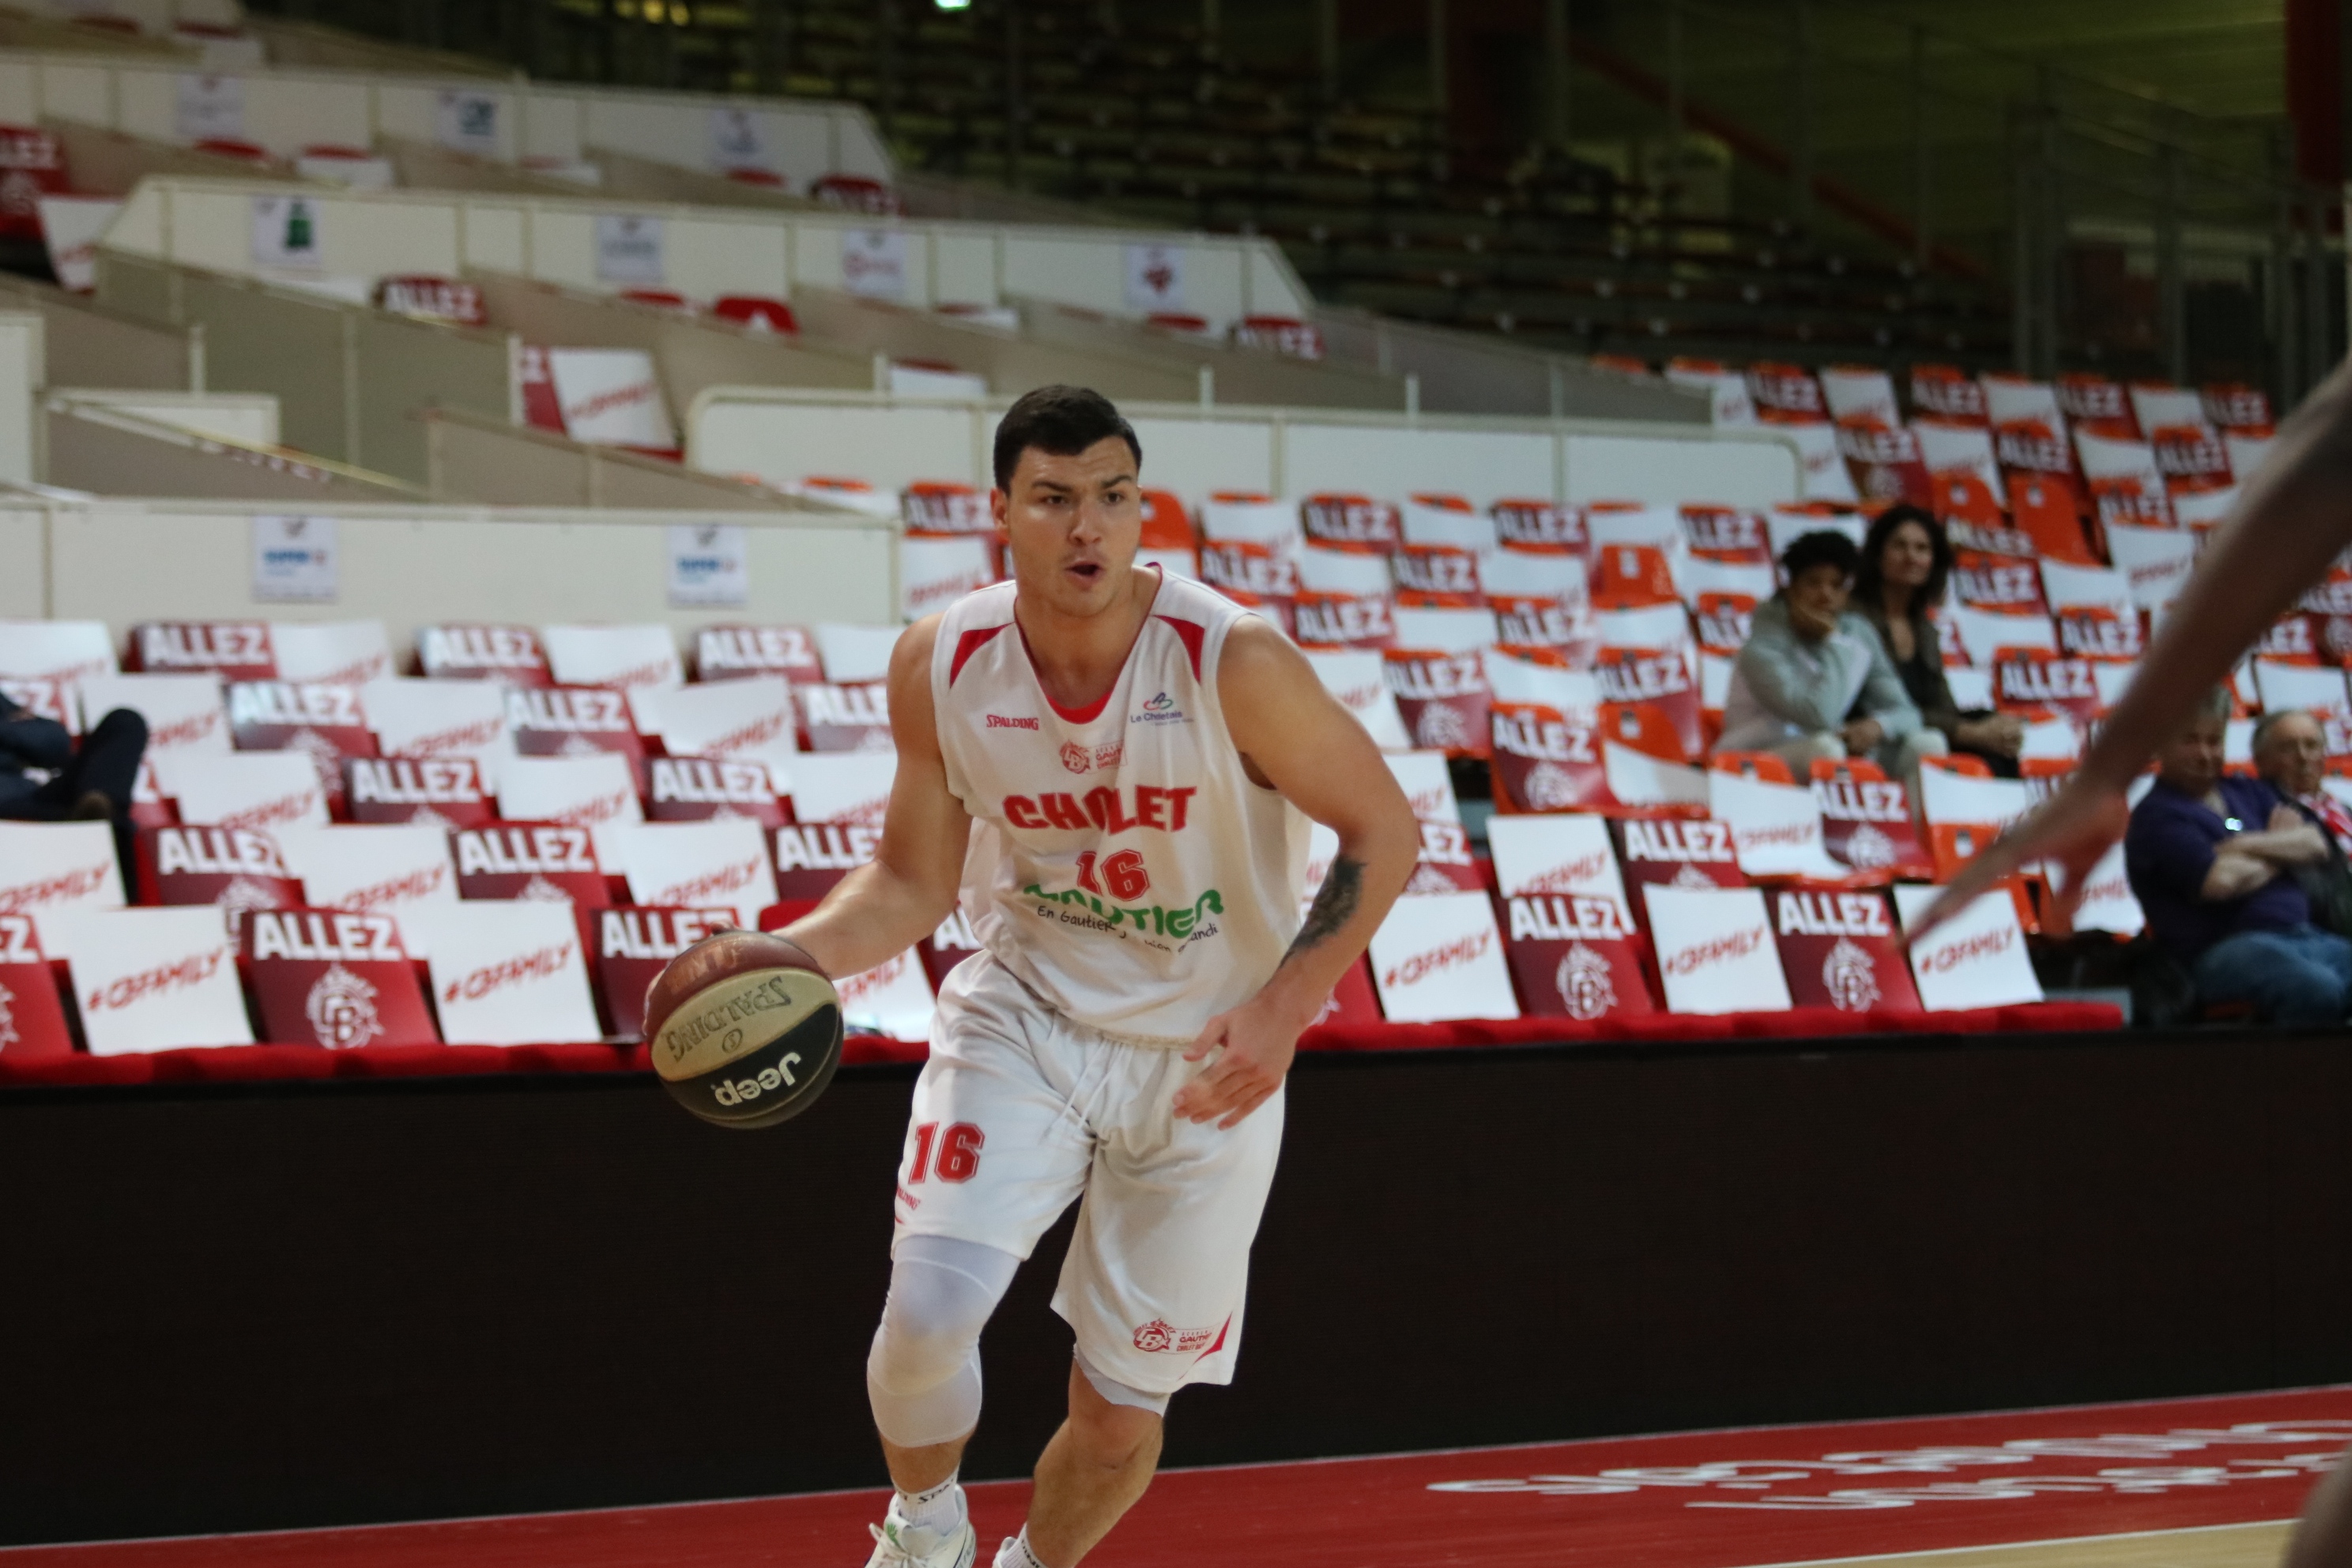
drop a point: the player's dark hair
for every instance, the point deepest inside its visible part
(1061, 421)
(1823, 547)
(1869, 576)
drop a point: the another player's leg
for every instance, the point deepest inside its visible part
(1092, 1471)
(2324, 1537)
(923, 1377)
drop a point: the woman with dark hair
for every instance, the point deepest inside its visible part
(1905, 561)
(1812, 680)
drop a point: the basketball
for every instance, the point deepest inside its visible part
(745, 1029)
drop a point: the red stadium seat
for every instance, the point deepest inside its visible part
(1973, 766)
(756, 312)
(1645, 728)
(234, 147)
(1760, 765)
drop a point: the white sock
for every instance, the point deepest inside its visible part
(939, 1509)
(1015, 1553)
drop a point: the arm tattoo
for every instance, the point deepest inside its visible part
(1335, 904)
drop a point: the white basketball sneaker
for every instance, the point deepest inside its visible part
(898, 1544)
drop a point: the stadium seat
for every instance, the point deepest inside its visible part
(1763, 765)
(756, 312)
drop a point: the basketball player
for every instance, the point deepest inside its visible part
(2294, 520)
(1111, 765)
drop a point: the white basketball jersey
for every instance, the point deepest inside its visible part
(1126, 870)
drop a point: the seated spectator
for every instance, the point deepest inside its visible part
(2291, 756)
(1813, 680)
(1904, 562)
(2209, 858)
(44, 779)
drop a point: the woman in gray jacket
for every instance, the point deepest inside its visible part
(1814, 680)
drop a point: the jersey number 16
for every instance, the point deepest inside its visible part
(958, 1151)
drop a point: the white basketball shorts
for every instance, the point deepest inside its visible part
(1019, 1111)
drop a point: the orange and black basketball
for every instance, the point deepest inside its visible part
(745, 1028)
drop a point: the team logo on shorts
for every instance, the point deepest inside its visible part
(1156, 1336)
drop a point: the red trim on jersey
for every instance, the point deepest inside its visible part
(1086, 715)
(1222, 1329)
(1094, 710)
(970, 643)
(1192, 634)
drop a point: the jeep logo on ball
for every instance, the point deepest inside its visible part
(749, 1089)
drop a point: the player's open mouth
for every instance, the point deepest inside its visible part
(1087, 572)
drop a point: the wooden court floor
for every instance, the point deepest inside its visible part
(2214, 1546)
(2191, 1483)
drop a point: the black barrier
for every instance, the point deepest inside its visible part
(252, 1308)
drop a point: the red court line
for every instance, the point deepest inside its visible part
(1704, 1500)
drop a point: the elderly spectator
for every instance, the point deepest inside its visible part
(2209, 858)
(2291, 756)
(1813, 680)
(1906, 560)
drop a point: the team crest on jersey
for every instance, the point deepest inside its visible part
(1079, 759)
(341, 1009)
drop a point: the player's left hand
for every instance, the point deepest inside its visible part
(1253, 1045)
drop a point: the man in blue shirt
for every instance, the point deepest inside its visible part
(2210, 859)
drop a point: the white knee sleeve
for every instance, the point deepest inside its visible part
(922, 1375)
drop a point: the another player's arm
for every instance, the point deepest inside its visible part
(1296, 737)
(884, 906)
(2294, 517)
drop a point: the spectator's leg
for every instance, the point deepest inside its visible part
(21, 800)
(2333, 954)
(108, 763)
(1800, 753)
(2270, 970)
(98, 786)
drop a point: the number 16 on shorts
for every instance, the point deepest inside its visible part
(950, 1153)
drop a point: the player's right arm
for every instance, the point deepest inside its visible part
(2295, 518)
(885, 906)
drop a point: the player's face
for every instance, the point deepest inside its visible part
(2294, 755)
(1072, 525)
